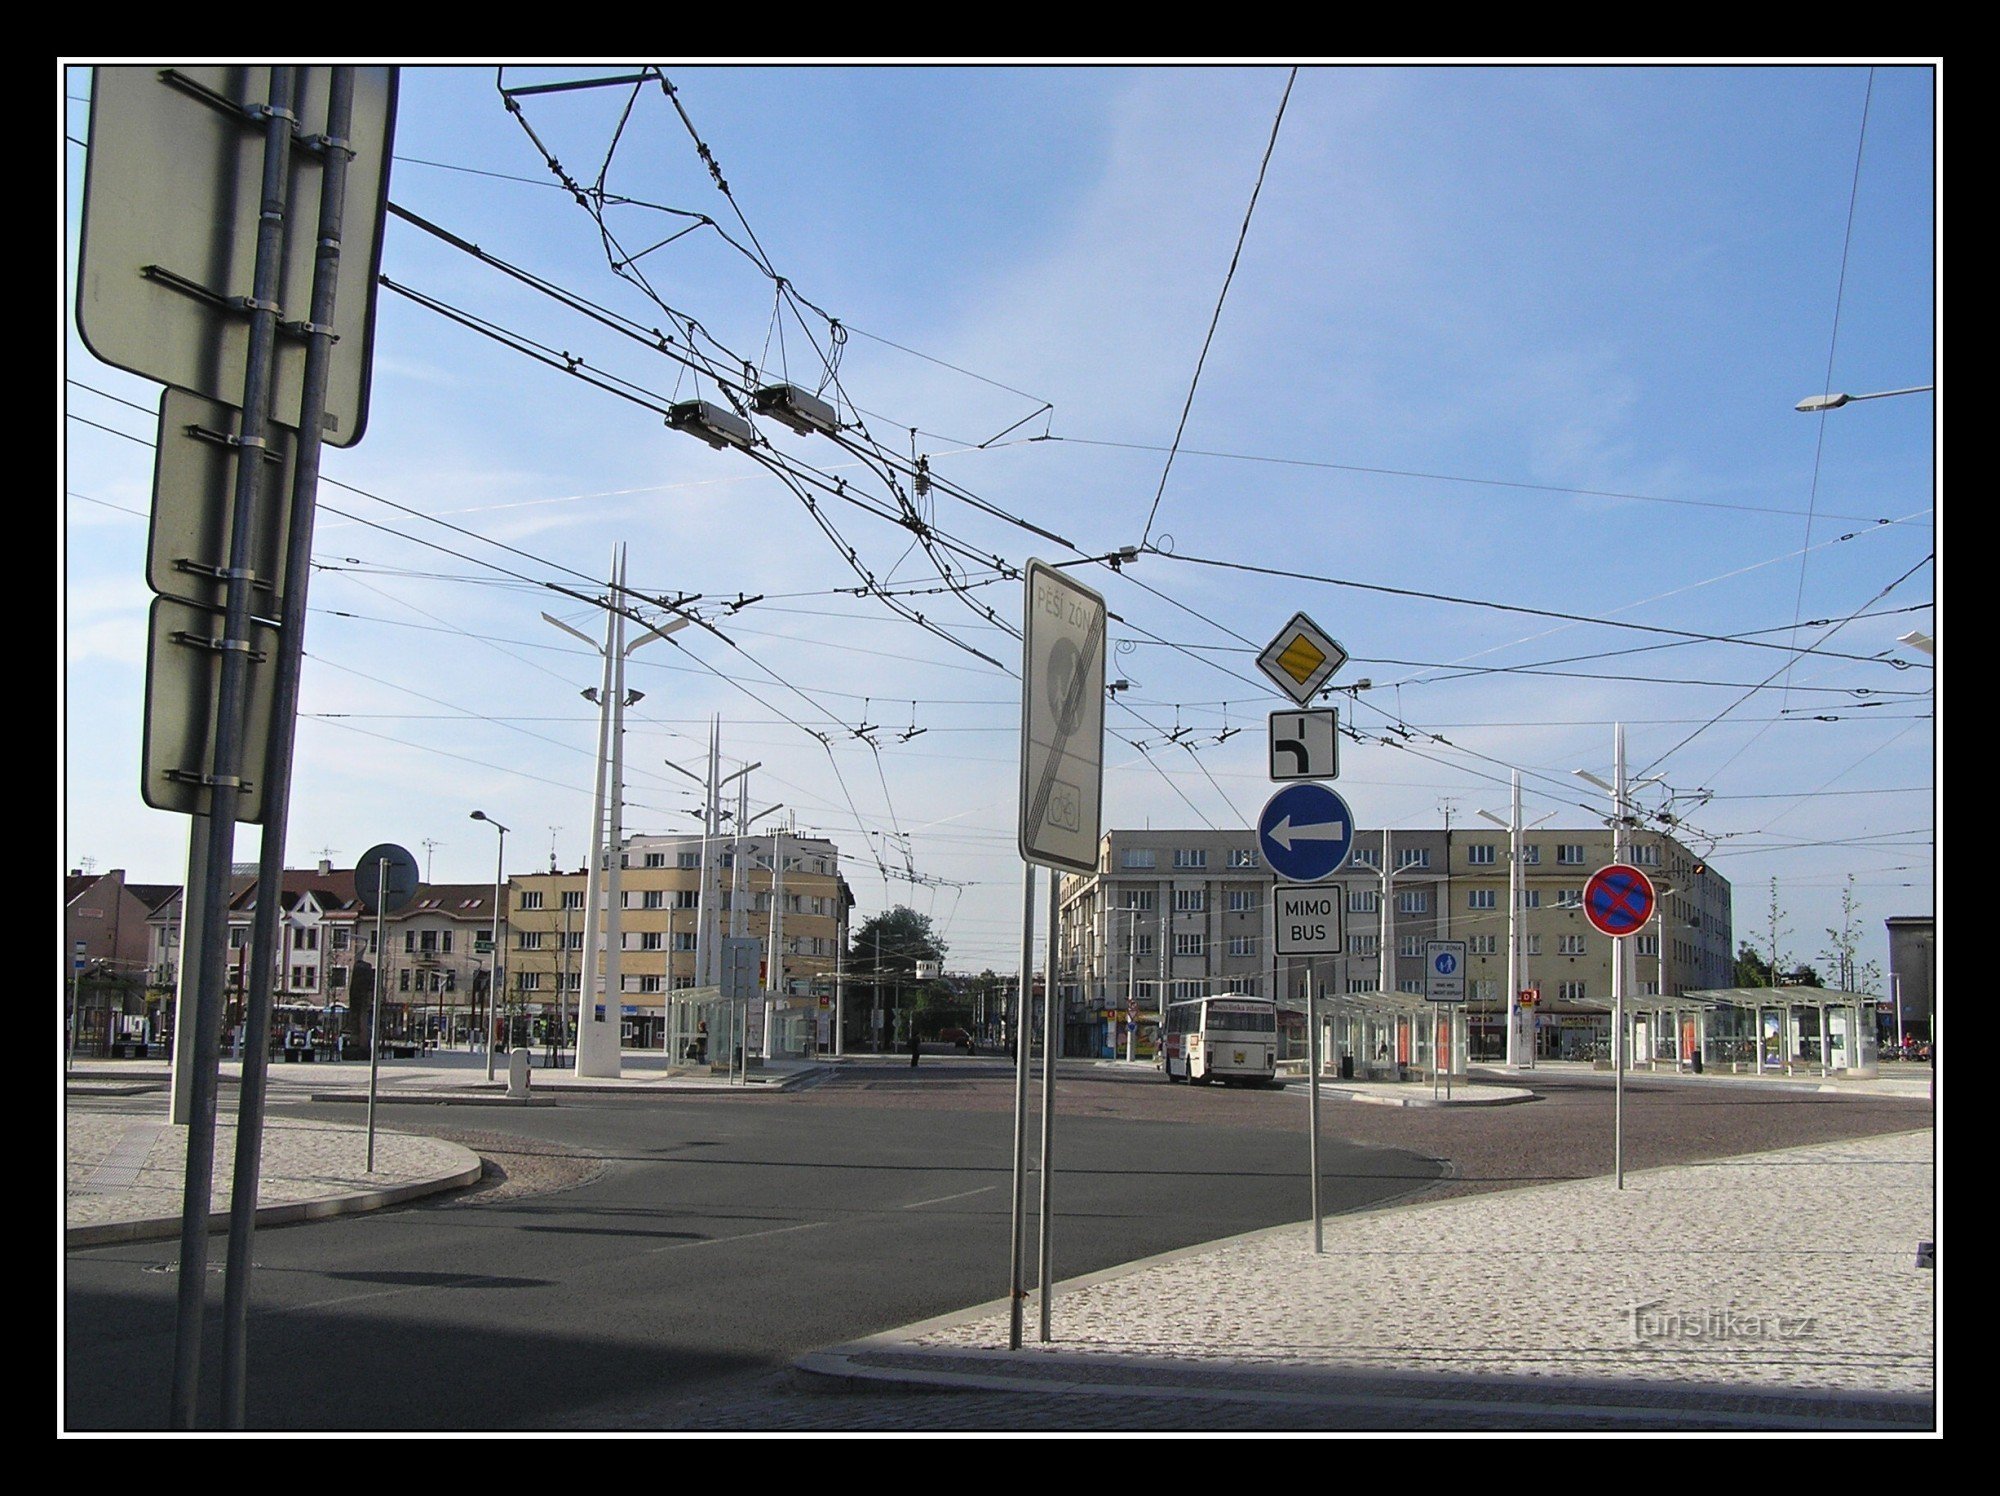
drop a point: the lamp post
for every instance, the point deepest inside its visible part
(597, 1042)
(493, 953)
(1813, 404)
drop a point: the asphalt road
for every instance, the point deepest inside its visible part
(632, 1262)
(656, 1245)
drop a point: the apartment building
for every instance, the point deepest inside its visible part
(1182, 913)
(783, 889)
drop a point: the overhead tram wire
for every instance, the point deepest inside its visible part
(1832, 344)
(1215, 321)
(1765, 684)
(724, 376)
(1385, 472)
(1420, 594)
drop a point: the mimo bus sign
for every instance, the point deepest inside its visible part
(1307, 918)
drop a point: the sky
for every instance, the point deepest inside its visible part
(1490, 370)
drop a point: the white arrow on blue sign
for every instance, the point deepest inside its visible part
(1305, 832)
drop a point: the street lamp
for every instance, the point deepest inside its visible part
(1815, 403)
(493, 954)
(1517, 973)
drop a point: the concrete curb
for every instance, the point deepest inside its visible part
(155, 1228)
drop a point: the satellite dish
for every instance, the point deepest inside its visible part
(385, 875)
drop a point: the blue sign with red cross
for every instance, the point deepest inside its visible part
(1618, 899)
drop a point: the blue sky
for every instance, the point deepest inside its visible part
(1529, 337)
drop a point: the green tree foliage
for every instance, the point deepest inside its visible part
(889, 945)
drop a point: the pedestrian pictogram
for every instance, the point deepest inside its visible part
(1444, 971)
(1618, 899)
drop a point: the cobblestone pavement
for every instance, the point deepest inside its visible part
(1772, 1290)
(125, 1168)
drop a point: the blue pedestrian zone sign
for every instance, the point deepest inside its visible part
(1305, 832)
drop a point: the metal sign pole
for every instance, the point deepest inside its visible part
(1045, 1277)
(226, 759)
(1312, 1106)
(375, 1001)
(278, 762)
(1023, 1023)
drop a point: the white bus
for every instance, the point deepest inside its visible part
(1232, 1038)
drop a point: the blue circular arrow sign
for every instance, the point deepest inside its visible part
(1305, 832)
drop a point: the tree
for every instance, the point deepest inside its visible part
(884, 957)
(1851, 974)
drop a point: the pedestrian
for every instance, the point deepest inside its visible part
(916, 1044)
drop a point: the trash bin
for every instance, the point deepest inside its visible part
(1697, 1062)
(1347, 1067)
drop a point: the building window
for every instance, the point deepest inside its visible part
(684, 941)
(651, 940)
(573, 940)
(1410, 945)
(1189, 945)
(1480, 898)
(1145, 946)
(1649, 945)
(530, 981)
(1485, 990)
(572, 898)
(1569, 945)
(1363, 903)
(1569, 854)
(1140, 857)
(656, 859)
(1364, 857)
(1243, 857)
(1531, 855)
(530, 940)
(653, 898)
(688, 860)
(1531, 945)
(531, 898)
(1360, 984)
(1645, 855)
(1190, 857)
(1138, 898)
(1480, 854)
(1482, 945)
(649, 984)
(1414, 901)
(1242, 900)
(1242, 945)
(1413, 986)
(1414, 857)
(1363, 945)
(1190, 900)
(1572, 992)
(1531, 898)
(403, 980)
(1569, 898)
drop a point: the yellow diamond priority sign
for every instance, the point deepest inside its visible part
(1302, 659)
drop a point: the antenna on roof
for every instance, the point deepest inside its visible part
(552, 847)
